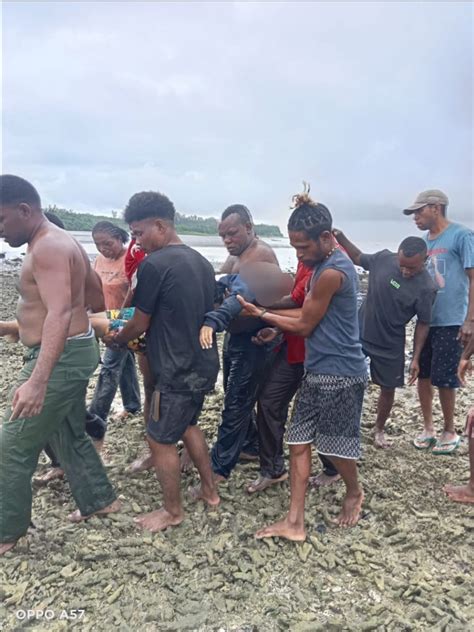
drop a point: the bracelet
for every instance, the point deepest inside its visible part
(264, 311)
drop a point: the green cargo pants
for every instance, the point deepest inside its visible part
(61, 423)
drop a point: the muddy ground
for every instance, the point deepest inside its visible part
(406, 566)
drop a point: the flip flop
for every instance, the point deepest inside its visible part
(446, 447)
(424, 443)
(262, 482)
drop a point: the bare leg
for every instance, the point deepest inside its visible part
(384, 407)
(352, 503)
(166, 463)
(425, 393)
(292, 525)
(186, 461)
(465, 493)
(144, 461)
(196, 445)
(447, 397)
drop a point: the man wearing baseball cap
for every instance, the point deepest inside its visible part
(451, 264)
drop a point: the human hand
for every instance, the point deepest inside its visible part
(265, 335)
(464, 368)
(206, 337)
(250, 308)
(110, 340)
(466, 331)
(28, 400)
(414, 371)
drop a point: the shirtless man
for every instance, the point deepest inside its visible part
(465, 493)
(48, 403)
(243, 361)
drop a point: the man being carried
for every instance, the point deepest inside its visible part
(451, 264)
(243, 361)
(175, 288)
(48, 403)
(400, 288)
(329, 401)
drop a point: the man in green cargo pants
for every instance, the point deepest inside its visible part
(47, 405)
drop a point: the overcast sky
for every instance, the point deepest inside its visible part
(218, 103)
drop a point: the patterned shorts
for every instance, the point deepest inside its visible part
(327, 412)
(440, 357)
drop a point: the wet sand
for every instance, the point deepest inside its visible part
(406, 566)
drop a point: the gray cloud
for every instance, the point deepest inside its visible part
(215, 103)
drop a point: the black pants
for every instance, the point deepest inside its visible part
(272, 412)
(328, 467)
(245, 365)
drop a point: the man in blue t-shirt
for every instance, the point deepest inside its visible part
(451, 264)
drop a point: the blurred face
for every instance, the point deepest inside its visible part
(13, 224)
(310, 251)
(108, 246)
(425, 218)
(149, 234)
(411, 266)
(235, 234)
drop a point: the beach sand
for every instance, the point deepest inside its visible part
(406, 566)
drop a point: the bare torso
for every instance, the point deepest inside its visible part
(258, 251)
(31, 311)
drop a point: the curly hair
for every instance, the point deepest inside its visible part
(148, 204)
(111, 229)
(412, 246)
(310, 217)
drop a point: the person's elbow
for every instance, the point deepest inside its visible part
(304, 330)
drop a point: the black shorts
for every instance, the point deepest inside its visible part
(172, 413)
(439, 358)
(386, 370)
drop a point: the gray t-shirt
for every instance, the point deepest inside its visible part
(392, 301)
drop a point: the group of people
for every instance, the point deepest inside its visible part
(284, 337)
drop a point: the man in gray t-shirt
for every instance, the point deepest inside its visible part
(400, 288)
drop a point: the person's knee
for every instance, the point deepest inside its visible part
(300, 449)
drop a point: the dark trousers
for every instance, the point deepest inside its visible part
(244, 371)
(328, 467)
(272, 412)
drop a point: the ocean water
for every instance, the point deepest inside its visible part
(368, 236)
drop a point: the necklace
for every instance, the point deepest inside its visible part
(332, 251)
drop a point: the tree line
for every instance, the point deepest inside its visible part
(185, 224)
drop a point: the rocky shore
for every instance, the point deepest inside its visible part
(406, 566)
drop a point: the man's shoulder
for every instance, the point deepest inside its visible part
(55, 246)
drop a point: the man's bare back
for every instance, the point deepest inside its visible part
(56, 260)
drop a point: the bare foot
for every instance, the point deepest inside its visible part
(460, 493)
(324, 480)
(122, 416)
(283, 529)
(351, 508)
(76, 516)
(185, 462)
(218, 479)
(211, 497)
(141, 464)
(52, 474)
(380, 441)
(158, 520)
(263, 482)
(6, 546)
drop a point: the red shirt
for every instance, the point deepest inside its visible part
(133, 257)
(295, 344)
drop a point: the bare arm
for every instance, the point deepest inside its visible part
(314, 307)
(9, 328)
(228, 265)
(467, 329)
(285, 303)
(53, 280)
(94, 296)
(352, 250)
(135, 327)
(421, 334)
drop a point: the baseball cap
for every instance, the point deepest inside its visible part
(432, 196)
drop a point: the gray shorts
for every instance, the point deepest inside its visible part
(327, 413)
(386, 370)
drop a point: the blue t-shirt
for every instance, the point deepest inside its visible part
(449, 256)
